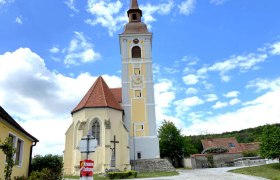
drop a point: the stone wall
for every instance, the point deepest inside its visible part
(249, 161)
(220, 160)
(151, 165)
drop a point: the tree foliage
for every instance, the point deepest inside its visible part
(190, 147)
(270, 142)
(171, 141)
(51, 163)
(8, 149)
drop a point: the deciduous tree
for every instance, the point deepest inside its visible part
(270, 142)
(171, 142)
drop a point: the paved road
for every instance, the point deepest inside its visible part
(209, 174)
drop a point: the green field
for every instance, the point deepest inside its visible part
(269, 171)
(140, 175)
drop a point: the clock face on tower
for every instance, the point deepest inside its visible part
(137, 81)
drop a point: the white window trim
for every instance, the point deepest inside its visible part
(16, 138)
(21, 152)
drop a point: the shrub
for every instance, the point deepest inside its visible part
(122, 175)
(20, 178)
(250, 153)
(51, 163)
(133, 173)
(45, 174)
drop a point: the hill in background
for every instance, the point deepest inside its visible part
(242, 136)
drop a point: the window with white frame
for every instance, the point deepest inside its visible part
(18, 145)
(19, 152)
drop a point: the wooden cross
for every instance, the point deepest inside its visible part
(114, 142)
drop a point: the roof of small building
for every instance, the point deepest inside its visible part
(230, 143)
(254, 146)
(100, 95)
(6, 117)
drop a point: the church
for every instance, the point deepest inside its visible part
(122, 120)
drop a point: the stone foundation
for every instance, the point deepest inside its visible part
(151, 165)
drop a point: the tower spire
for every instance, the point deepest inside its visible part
(135, 25)
(134, 13)
(134, 4)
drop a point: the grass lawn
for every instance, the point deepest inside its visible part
(139, 175)
(269, 171)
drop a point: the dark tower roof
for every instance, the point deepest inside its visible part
(135, 25)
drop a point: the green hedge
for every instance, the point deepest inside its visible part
(122, 175)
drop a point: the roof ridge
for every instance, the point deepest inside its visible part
(103, 90)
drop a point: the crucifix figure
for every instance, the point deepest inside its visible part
(113, 160)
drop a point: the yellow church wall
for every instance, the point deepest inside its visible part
(102, 155)
(5, 130)
(67, 158)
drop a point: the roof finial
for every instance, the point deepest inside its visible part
(134, 4)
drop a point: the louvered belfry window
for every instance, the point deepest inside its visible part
(136, 52)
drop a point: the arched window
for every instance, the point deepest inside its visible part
(96, 131)
(136, 52)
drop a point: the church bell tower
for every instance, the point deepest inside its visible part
(138, 86)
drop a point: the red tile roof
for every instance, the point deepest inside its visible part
(117, 92)
(226, 142)
(100, 95)
(254, 146)
(6, 117)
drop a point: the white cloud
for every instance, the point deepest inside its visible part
(187, 7)
(234, 101)
(112, 16)
(232, 94)
(80, 50)
(165, 94)
(54, 50)
(2, 2)
(219, 105)
(71, 5)
(218, 2)
(190, 79)
(264, 84)
(149, 10)
(18, 20)
(184, 105)
(40, 98)
(242, 62)
(275, 48)
(211, 97)
(171, 70)
(107, 14)
(164, 88)
(263, 110)
(191, 91)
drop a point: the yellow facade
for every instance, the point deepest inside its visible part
(102, 156)
(18, 170)
(139, 115)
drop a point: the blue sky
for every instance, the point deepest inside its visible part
(216, 62)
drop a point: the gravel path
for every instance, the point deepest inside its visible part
(209, 174)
